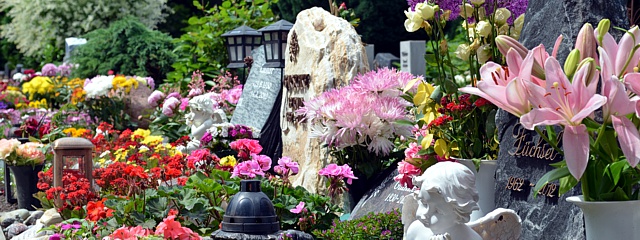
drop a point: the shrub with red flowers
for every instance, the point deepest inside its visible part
(74, 194)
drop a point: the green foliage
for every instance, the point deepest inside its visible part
(36, 23)
(126, 47)
(372, 226)
(202, 48)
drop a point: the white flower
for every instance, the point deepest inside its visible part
(425, 11)
(483, 28)
(467, 11)
(484, 53)
(224, 132)
(414, 21)
(19, 77)
(99, 86)
(105, 153)
(502, 14)
(462, 51)
(477, 3)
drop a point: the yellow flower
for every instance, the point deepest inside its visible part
(424, 103)
(13, 88)
(228, 161)
(441, 148)
(143, 133)
(121, 154)
(42, 103)
(152, 140)
(126, 83)
(75, 132)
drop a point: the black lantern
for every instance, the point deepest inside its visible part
(240, 42)
(274, 38)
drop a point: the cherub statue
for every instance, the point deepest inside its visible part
(203, 115)
(442, 207)
(446, 199)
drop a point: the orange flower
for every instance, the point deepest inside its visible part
(96, 210)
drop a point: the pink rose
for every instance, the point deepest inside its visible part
(7, 146)
(155, 97)
(168, 106)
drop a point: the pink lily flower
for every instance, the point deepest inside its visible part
(618, 54)
(503, 86)
(617, 107)
(566, 103)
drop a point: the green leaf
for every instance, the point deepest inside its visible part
(405, 122)
(566, 184)
(552, 175)
(615, 169)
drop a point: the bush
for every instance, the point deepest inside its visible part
(126, 47)
(202, 48)
(36, 23)
(372, 226)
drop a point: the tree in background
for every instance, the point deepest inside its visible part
(37, 23)
(126, 47)
(181, 11)
(381, 22)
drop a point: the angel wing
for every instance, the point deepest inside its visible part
(409, 209)
(500, 224)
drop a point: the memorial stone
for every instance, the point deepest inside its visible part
(259, 93)
(384, 197)
(387, 60)
(412, 57)
(70, 44)
(524, 157)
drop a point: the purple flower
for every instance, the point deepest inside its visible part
(151, 83)
(49, 69)
(66, 227)
(248, 169)
(56, 236)
(3, 105)
(339, 172)
(206, 138)
(298, 209)
(263, 160)
(286, 166)
(64, 69)
(174, 94)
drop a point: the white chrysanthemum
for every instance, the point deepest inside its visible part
(99, 86)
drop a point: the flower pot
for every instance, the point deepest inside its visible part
(609, 220)
(26, 182)
(485, 184)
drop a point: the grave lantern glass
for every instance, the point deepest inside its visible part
(72, 153)
(275, 41)
(240, 42)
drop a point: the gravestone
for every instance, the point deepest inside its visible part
(384, 197)
(259, 93)
(387, 60)
(323, 52)
(412, 57)
(70, 44)
(370, 50)
(524, 157)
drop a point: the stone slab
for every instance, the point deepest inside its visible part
(259, 93)
(385, 197)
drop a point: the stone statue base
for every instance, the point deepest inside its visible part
(294, 234)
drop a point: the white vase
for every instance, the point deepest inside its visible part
(485, 184)
(609, 220)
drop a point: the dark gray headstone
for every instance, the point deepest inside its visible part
(545, 20)
(523, 159)
(385, 197)
(385, 60)
(259, 93)
(7, 70)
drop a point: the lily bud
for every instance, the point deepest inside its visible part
(504, 43)
(445, 15)
(482, 13)
(586, 42)
(483, 28)
(444, 47)
(484, 53)
(518, 24)
(571, 64)
(603, 29)
(587, 69)
(502, 14)
(425, 11)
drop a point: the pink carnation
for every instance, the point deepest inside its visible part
(412, 151)
(406, 173)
